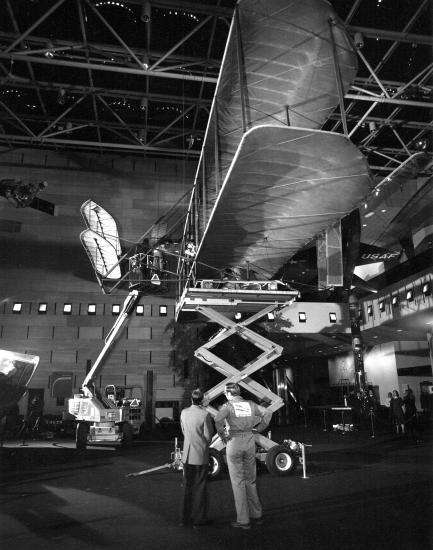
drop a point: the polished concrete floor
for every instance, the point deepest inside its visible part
(357, 492)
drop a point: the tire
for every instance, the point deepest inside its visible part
(127, 436)
(280, 461)
(216, 464)
(81, 434)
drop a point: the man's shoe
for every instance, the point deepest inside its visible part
(257, 521)
(240, 525)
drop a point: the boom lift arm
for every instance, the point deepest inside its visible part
(129, 303)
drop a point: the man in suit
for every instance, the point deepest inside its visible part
(198, 429)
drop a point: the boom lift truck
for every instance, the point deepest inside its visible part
(280, 459)
(101, 419)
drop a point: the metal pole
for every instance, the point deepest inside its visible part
(304, 465)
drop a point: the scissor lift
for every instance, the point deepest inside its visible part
(280, 459)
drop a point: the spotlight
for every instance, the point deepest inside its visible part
(238, 316)
(382, 305)
(421, 144)
(395, 300)
(50, 51)
(358, 40)
(42, 308)
(332, 317)
(302, 317)
(17, 307)
(145, 11)
(370, 311)
(61, 96)
(115, 309)
(426, 289)
(139, 310)
(163, 311)
(409, 295)
(91, 309)
(67, 309)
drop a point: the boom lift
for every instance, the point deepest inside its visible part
(104, 419)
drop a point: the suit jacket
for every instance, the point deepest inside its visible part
(198, 429)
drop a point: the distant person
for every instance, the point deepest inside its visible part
(198, 429)
(410, 417)
(355, 403)
(371, 402)
(240, 417)
(388, 409)
(397, 411)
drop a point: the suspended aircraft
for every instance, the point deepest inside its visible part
(22, 194)
(270, 182)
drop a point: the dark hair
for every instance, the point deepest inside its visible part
(232, 388)
(197, 396)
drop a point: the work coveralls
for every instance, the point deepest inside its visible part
(241, 417)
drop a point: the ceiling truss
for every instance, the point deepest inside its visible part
(153, 96)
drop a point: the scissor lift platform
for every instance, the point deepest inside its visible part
(279, 459)
(235, 296)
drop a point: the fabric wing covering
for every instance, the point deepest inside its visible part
(101, 222)
(269, 180)
(102, 254)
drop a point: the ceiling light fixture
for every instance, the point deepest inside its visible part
(395, 300)
(145, 11)
(61, 96)
(49, 54)
(302, 317)
(409, 295)
(139, 310)
(426, 289)
(332, 317)
(370, 311)
(115, 309)
(42, 308)
(17, 307)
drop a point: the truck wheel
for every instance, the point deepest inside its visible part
(81, 434)
(127, 435)
(216, 464)
(280, 461)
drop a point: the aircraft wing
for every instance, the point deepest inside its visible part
(102, 254)
(16, 371)
(277, 69)
(100, 221)
(284, 186)
(269, 180)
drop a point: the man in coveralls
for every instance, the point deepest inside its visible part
(198, 429)
(242, 416)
